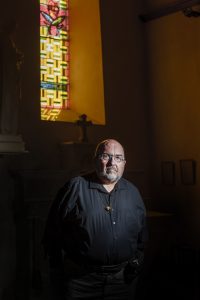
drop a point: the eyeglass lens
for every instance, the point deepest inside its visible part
(106, 156)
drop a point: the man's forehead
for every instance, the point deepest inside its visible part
(117, 148)
(110, 146)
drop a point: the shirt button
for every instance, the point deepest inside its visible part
(114, 222)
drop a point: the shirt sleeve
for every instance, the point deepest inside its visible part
(52, 238)
(143, 233)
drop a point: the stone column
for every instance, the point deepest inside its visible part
(11, 59)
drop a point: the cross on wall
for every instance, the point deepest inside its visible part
(83, 125)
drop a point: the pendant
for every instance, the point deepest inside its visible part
(108, 208)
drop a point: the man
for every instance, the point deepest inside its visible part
(95, 232)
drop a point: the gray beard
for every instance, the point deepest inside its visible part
(109, 176)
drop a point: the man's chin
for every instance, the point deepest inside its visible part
(111, 177)
(108, 177)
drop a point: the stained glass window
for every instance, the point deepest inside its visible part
(86, 94)
(54, 58)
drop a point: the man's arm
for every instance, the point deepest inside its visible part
(135, 264)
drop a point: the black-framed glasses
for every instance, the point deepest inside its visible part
(106, 157)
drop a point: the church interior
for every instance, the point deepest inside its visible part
(150, 57)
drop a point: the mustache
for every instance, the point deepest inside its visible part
(112, 168)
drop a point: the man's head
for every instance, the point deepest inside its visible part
(109, 161)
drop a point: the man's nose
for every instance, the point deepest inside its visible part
(111, 159)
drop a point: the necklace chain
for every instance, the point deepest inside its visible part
(107, 207)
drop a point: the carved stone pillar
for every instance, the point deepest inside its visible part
(11, 60)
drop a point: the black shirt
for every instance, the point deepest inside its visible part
(81, 223)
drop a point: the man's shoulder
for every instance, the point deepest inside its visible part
(132, 190)
(79, 179)
(70, 190)
(127, 184)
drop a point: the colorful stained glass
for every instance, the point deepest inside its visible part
(54, 58)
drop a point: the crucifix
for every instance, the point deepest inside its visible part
(83, 124)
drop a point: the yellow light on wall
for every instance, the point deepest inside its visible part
(86, 70)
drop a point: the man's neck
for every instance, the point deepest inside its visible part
(109, 187)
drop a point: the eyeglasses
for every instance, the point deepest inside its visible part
(106, 157)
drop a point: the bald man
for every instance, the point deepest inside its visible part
(96, 231)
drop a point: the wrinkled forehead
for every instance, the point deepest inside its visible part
(111, 148)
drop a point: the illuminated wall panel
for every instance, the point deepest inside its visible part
(86, 64)
(54, 58)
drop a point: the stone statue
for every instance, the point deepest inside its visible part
(10, 79)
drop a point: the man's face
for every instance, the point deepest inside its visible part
(110, 162)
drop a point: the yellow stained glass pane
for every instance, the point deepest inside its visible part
(54, 58)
